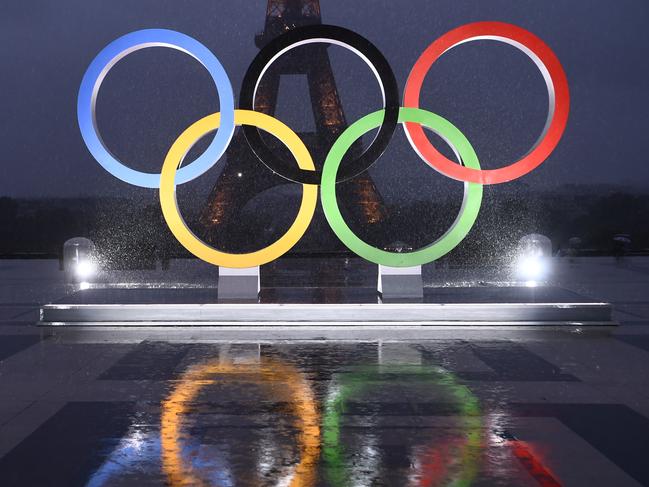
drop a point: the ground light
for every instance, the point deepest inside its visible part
(532, 269)
(80, 261)
(85, 269)
(532, 264)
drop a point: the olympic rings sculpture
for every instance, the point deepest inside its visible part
(413, 118)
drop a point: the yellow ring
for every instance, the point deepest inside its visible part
(179, 403)
(175, 220)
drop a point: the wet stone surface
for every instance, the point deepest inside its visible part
(322, 414)
(485, 408)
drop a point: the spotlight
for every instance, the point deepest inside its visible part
(80, 263)
(533, 261)
(532, 268)
(85, 269)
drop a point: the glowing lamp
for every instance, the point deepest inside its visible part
(532, 263)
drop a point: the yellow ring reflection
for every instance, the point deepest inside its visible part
(195, 379)
(175, 221)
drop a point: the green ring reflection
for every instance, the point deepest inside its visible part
(358, 382)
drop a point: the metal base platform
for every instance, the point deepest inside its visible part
(288, 315)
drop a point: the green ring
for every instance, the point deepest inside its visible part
(359, 381)
(447, 242)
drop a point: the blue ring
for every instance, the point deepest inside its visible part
(106, 59)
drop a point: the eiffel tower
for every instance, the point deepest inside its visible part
(244, 176)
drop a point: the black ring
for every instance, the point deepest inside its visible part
(288, 169)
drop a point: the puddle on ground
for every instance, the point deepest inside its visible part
(349, 415)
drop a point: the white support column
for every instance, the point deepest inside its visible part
(240, 353)
(239, 284)
(394, 353)
(400, 282)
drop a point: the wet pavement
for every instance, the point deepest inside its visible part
(359, 413)
(548, 409)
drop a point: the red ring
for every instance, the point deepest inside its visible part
(557, 85)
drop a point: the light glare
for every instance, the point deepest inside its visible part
(85, 269)
(532, 269)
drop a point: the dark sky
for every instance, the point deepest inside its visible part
(491, 92)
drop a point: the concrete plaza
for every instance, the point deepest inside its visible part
(462, 407)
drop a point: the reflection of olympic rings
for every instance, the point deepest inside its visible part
(343, 38)
(468, 170)
(107, 58)
(558, 94)
(357, 382)
(170, 207)
(197, 378)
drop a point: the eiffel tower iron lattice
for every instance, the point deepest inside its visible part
(245, 177)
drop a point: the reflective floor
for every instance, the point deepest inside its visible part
(489, 409)
(357, 413)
